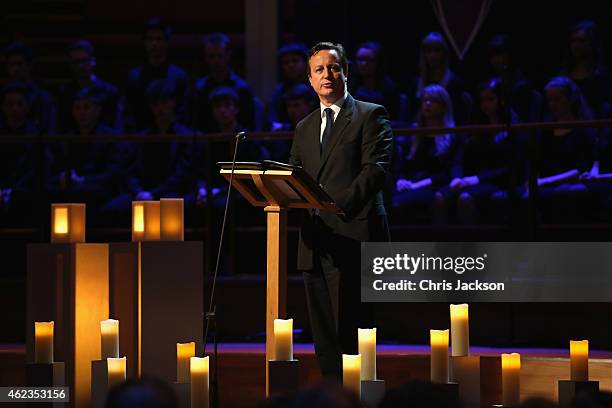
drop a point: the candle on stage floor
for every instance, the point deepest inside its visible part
(439, 356)
(579, 360)
(511, 379)
(460, 331)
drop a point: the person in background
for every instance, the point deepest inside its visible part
(19, 68)
(83, 64)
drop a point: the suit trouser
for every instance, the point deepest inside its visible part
(334, 304)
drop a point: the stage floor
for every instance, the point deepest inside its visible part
(242, 367)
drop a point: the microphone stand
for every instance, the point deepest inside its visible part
(212, 308)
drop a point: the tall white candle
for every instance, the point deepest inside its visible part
(579, 360)
(511, 379)
(460, 331)
(199, 382)
(439, 356)
(43, 342)
(367, 349)
(109, 338)
(351, 372)
(184, 352)
(283, 339)
(116, 370)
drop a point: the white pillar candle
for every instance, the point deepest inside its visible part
(116, 370)
(460, 331)
(439, 356)
(367, 349)
(351, 373)
(43, 342)
(184, 352)
(199, 382)
(511, 379)
(283, 339)
(579, 360)
(109, 339)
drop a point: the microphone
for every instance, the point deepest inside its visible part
(240, 136)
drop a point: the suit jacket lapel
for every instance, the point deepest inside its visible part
(313, 143)
(344, 118)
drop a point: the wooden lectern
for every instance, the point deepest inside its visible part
(276, 187)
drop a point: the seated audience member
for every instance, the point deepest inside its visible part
(82, 65)
(145, 392)
(19, 161)
(525, 101)
(434, 68)
(156, 169)
(297, 102)
(86, 171)
(429, 162)
(19, 68)
(584, 64)
(217, 55)
(370, 76)
(137, 115)
(564, 154)
(294, 71)
(486, 160)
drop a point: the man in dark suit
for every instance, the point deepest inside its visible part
(345, 146)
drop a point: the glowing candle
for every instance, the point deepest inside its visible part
(351, 372)
(138, 218)
(199, 382)
(116, 370)
(511, 379)
(43, 342)
(579, 360)
(109, 338)
(60, 224)
(145, 220)
(460, 332)
(184, 352)
(67, 223)
(171, 219)
(439, 356)
(283, 339)
(367, 349)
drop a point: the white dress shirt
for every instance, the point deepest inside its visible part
(336, 107)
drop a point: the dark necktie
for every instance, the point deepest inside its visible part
(329, 122)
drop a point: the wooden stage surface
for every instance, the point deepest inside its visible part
(241, 367)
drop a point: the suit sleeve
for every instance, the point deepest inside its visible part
(377, 139)
(294, 154)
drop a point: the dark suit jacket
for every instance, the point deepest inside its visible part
(352, 170)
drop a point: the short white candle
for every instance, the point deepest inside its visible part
(283, 339)
(109, 339)
(199, 382)
(511, 379)
(351, 372)
(367, 349)
(116, 370)
(184, 352)
(460, 331)
(43, 342)
(439, 356)
(579, 360)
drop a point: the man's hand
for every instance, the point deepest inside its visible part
(144, 196)
(403, 185)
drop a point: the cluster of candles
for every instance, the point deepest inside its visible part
(193, 370)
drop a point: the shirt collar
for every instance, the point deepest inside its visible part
(336, 106)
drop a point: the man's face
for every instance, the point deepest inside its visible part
(297, 109)
(580, 45)
(82, 63)
(163, 110)
(217, 57)
(156, 44)
(225, 112)
(17, 68)
(366, 62)
(85, 113)
(327, 77)
(432, 108)
(293, 66)
(488, 103)
(435, 57)
(15, 108)
(558, 103)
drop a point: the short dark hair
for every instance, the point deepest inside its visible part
(18, 49)
(223, 93)
(216, 39)
(294, 48)
(15, 87)
(330, 46)
(82, 45)
(92, 94)
(155, 23)
(300, 91)
(161, 89)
